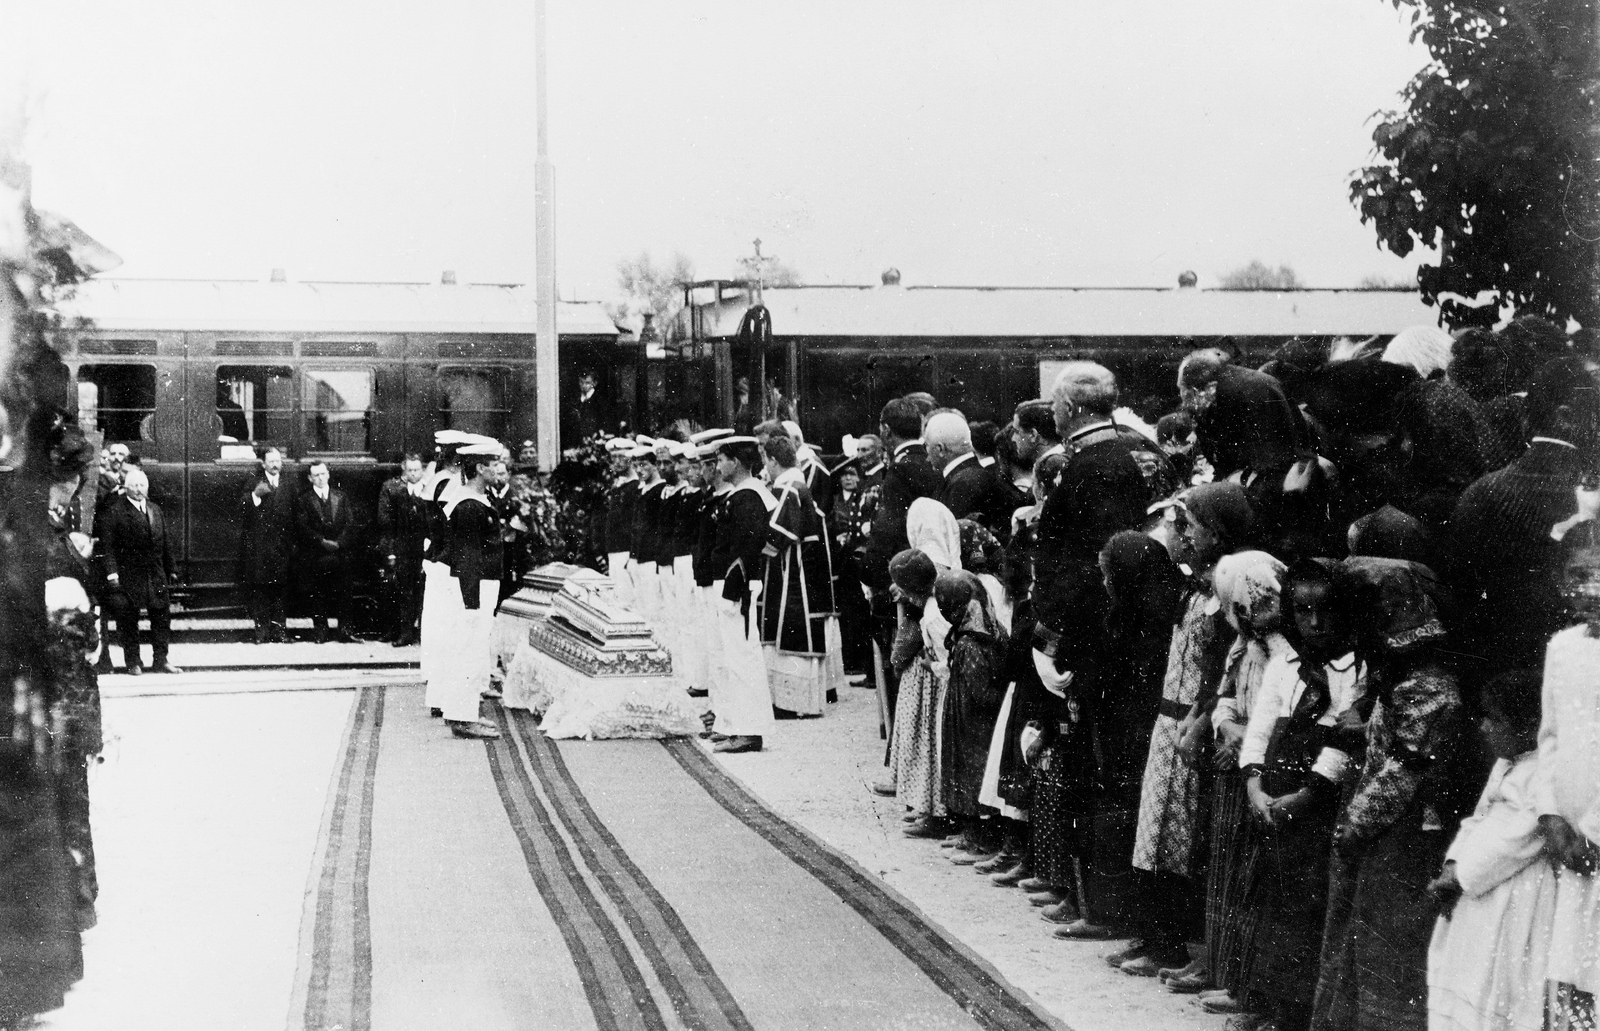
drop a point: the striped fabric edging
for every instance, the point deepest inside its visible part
(584, 877)
(698, 993)
(975, 988)
(335, 990)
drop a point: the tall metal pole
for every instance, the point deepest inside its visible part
(547, 348)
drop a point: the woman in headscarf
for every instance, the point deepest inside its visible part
(1298, 751)
(1170, 842)
(975, 646)
(1248, 587)
(919, 660)
(1392, 830)
(1092, 794)
(1391, 533)
(1445, 443)
(933, 530)
(983, 556)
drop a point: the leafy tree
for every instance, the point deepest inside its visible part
(1257, 276)
(1493, 159)
(651, 289)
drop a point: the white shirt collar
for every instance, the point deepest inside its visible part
(875, 470)
(955, 462)
(789, 476)
(322, 493)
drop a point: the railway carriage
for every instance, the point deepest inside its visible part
(192, 376)
(840, 352)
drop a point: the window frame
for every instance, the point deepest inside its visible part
(145, 413)
(306, 411)
(507, 375)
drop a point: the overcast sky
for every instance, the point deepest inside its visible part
(1024, 143)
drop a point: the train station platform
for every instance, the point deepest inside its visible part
(321, 858)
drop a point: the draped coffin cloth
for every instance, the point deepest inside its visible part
(532, 602)
(594, 670)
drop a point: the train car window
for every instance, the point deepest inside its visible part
(338, 409)
(255, 404)
(475, 400)
(119, 401)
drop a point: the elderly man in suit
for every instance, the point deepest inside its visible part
(139, 571)
(969, 489)
(327, 527)
(266, 546)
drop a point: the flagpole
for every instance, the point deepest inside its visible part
(546, 343)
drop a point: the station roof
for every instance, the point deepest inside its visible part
(939, 312)
(259, 306)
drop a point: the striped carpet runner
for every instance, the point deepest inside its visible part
(680, 899)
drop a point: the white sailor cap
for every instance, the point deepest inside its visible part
(706, 435)
(447, 438)
(479, 438)
(726, 441)
(619, 445)
(489, 450)
(643, 451)
(684, 449)
(643, 441)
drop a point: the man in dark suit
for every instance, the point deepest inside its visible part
(107, 490)
(403, 520)
(139, 571)
(970, 490)
(266, 545)
(908, 477)
(588, 415)
(1243, 421)
(327, 527)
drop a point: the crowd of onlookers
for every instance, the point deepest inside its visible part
(1295, 692)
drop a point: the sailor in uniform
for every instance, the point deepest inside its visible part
(706, 599)
(439, 597)
(739, 695)
(621, 509)
(476, 562)
(642, 552)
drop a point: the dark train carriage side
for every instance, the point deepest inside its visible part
(844, 351)
(194, 403)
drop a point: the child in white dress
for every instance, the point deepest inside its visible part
(1490, 952)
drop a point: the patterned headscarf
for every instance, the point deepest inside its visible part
(1248, 584)
(956, 590)
(1399, 600)
(932, 530)
(980, 549)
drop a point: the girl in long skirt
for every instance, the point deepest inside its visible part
(1391, 833)
(1294, 758)
(1247, 585)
